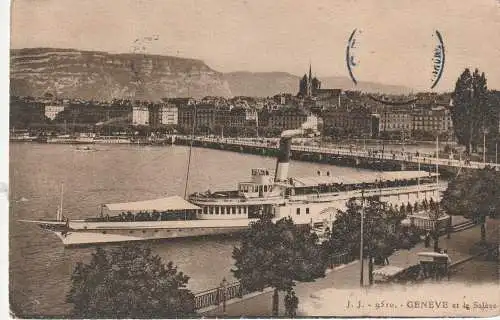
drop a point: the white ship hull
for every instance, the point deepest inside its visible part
(320, 210)
(82, 233)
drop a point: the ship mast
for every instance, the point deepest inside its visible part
(60, 211)
(190, 147)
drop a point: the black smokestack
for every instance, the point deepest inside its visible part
(281, 172)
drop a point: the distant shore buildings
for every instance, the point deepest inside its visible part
(339, 113)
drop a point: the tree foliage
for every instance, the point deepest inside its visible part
(276, 254)
(382, 230)
(475, 195)
(129, 282)
(471, 110)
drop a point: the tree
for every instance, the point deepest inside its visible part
(475, 195)
(129, 282)
(382, 231)
(275, 255)
(470, 108)
(492, 120)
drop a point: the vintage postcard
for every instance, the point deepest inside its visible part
(251, 158)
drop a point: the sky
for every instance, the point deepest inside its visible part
(395, 45)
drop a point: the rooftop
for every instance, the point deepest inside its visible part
(360, 177)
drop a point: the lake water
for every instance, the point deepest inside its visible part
(40, 267)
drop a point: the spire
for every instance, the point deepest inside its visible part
(310, 73)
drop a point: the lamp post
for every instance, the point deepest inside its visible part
(223, 287)
(361, 280)
(437, 159)
(485, 131)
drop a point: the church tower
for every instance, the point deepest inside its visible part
(309, 84)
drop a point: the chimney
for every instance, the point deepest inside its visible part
(282, 164)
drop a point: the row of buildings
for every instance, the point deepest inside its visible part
(391, 122)
(339, 113)
(396, 123)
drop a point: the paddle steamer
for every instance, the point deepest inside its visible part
(313, 201)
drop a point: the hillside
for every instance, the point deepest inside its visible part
(243, 83)
(261, 84)
(102, 76)
(365, 86)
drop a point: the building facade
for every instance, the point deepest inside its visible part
(396, 122)
(353, 123)
(169, 115)
(433, 120)
(287, 119)
(140, 115)
(51, 111)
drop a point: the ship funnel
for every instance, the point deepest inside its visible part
(282, 164)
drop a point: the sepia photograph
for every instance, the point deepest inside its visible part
(251, 158)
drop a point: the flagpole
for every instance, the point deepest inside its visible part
(437, 159)
(361, 282)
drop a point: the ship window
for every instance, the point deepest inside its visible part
(307, 210)
(298, 211)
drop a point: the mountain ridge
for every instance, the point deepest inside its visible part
(89, 74)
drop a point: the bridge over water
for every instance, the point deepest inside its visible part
(341, 156)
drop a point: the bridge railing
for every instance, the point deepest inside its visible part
(340, 259)
(376, 154)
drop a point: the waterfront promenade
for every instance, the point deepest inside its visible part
(460, 248)
(358, 157)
